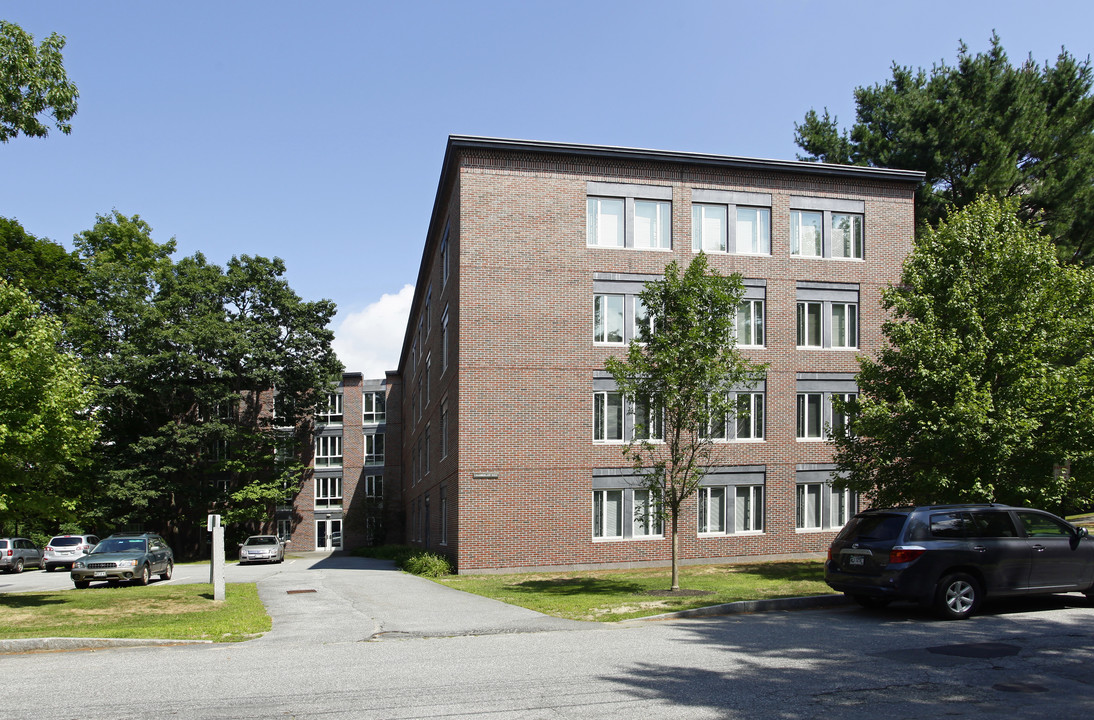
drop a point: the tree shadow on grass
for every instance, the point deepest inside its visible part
(579, 586)
(791, 571)
(29, 600)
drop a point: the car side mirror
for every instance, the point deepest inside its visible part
(1082, 532)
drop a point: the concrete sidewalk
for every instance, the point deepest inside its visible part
(325, 598)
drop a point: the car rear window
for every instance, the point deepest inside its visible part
(65, 541)
(873, 527)
(4, 544)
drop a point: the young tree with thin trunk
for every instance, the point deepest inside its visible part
(678, 376)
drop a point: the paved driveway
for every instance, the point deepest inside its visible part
(338, 597)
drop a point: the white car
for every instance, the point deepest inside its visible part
(261, 548)
(63, 550)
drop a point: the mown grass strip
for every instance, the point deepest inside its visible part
(170, 612)
(610, 595)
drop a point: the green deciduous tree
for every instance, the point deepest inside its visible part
(32, 82)
(679, 376)
(188, 354)
(985, 389)
(46, 427)
(51, 275)
(982, 126)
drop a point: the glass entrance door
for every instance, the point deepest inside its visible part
(328, 535)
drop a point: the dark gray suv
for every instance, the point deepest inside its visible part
(950, 557)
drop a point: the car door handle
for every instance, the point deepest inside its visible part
(1039, 548)
(979, 548)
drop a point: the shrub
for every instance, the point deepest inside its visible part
(427, 564)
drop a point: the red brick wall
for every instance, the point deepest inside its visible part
(520, 400)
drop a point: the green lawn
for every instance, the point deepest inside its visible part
(608, 595)
(171, 612)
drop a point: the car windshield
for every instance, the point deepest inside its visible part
(113, 545)
(65, 541)
(261, 541)
(873, 527)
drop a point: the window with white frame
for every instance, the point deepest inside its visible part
(444, 428)
(328, 491)
(809, 324)
(328, 451)
(646, 520)
(373, 407)
(607, 513)
(744, 417)
(750, 323)
(820, 506)
(653, 224)
(331, 412)
(443, 529)
(731, 500)
(712, 510)
(847, 236)
(809, 416)
(725, 221)
(284, 528)
(607, 417)
(604, 223)
(608, 315)
(827, 228)
(374, 486)
(709, 228)
(649, 422)
(817, 415)
(444, 339)
(643, 320)
(628, 215)
(374, 448)
(445, 256)
(844, 325)
(806, 233)
(748, 508)
(749, 416)
(841, 416)
(827, 315)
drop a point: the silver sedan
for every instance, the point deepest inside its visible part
(261, 548)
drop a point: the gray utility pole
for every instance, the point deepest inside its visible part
(216, 562)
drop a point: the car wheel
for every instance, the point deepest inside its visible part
(872, 602)
(47, 568)
(166, 574)
(957, 596)
(82, 584)
(145, 575)
(18, 568)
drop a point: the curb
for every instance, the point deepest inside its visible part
(23, 645)
(809, 602)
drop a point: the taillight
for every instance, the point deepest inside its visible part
(9, 553)
(905, 554)
(49, 549)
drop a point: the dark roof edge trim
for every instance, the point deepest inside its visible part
(688, 158)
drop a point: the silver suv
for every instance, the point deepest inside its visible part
(18, 553)
(63, 550)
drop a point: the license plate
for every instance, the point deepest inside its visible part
(856, 560)
(100, 573)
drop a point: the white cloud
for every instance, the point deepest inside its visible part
(369, 341)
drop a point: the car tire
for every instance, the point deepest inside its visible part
(871, 602)
(144, 577)
(82, 584)
(47, 568)
(18, 567)
(957, 596)
(166, 574)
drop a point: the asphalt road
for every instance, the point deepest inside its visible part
(370, 642)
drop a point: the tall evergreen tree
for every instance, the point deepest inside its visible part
(981, 126)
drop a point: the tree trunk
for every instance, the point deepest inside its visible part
(675, 568)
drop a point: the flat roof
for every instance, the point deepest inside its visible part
(686, 158)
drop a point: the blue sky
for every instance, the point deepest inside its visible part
(314, 131)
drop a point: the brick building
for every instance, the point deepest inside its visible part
(340, 504)
(505, 434)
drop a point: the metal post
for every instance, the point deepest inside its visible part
(216, 562)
